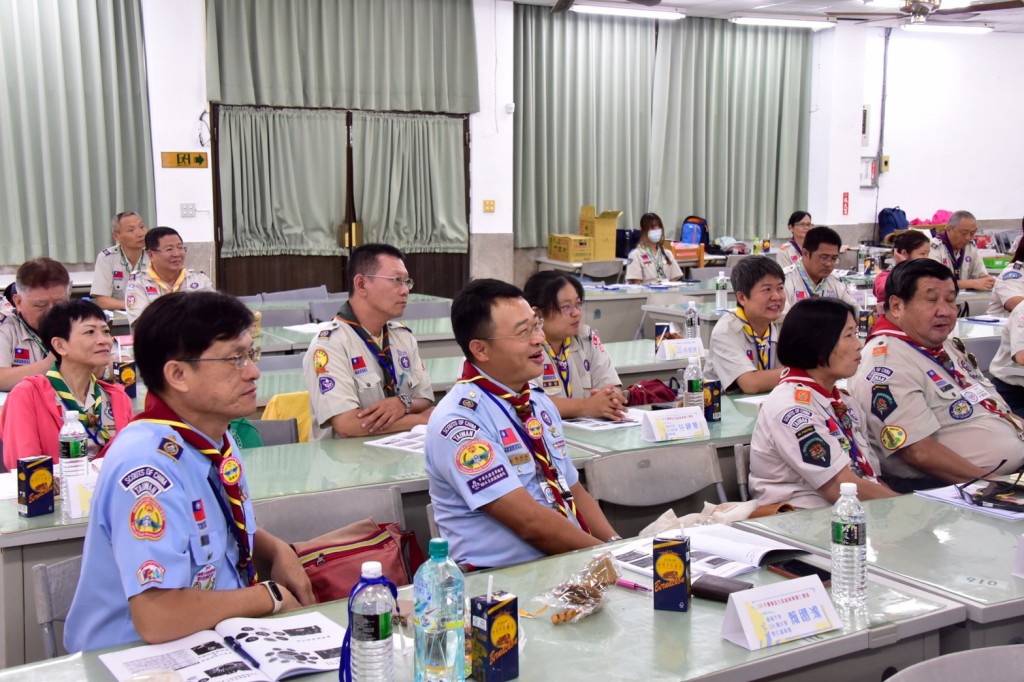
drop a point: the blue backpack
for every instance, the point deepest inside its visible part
(694, 231)
(890, 220)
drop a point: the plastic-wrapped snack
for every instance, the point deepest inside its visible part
(582, 593)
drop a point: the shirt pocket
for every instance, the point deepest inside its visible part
(207, 547)
(368, 388)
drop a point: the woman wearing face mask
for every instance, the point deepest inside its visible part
(792, 250)
(650, 262)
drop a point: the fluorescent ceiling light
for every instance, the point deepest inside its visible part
(787, 22)
(933, 27)
(665, 14)
(897, 4)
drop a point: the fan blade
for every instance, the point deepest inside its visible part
(646, 3)
(865, 15)
(561, 5)
(987, 7)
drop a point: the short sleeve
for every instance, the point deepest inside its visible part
(633, 269)
(673, 270)
(602, 371)
(476, 468)
(7, 341)
(102, 277)
(976, 269)
(727, 356)
(329, 374)
(805, 443)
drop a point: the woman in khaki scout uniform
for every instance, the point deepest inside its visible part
(651, 262)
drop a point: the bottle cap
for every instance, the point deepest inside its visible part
(372, 569)
(721, 273)
(70, 416)
(691, 304)
(438, 548)
(848, 488)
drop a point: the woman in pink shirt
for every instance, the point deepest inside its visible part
(906, 246)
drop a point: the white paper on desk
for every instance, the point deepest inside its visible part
(308, 328)
(781, 612)
(633, 418)
(80, 494)
(681, 423)
(676, 349)
(951, 495)
(407, 441)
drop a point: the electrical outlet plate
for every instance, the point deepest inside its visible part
(488, 205)
(188, 210)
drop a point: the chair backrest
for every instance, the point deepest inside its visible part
(296, 518)
(734, 258)
(308, 294)
(269, 363)
(704, 274)
(338, 295)
(984, 350)
(425, 310)
(658, 476)
(988, 663)
(321, 311)
(277, 431)
(255, 298)
(435, 532)
(605, 270)
(284, 318)
(54, 589)
(741, 453)
(288, 405)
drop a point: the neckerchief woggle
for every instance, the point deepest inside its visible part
(93, 417)
(763, 342)
(383, 354)
(561, 363)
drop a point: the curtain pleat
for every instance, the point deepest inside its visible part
(74, 125)
(409, 181)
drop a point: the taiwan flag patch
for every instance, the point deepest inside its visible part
(118, 276)
(150, 290)
(21, 355)
(549, 371)
(358, 364)
(510, 440)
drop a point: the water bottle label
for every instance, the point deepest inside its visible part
(72, 449)
(371, 627)
(695, 386)
(849, 534)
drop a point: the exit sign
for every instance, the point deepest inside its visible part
(184, 160)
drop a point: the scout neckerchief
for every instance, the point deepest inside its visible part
(657, 257)
(533, 436)
(883, 327)
(561, 362)
(128, 266)
(92, 418)
(382, 351)
(796, 247)
(842, 418)
(228, 467)
(32, 334)
(812, 290)
(955, 263)
(763, 342)
(168, 289)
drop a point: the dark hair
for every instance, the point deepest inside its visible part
(1018, 254)
(541, 290)
(154, 236)
(115, 223)
(41, 273)
(647, 221)
(811, 330)
(909, 240)
(58, 321)
(749, 271)
(816, 236)
(362, 260)
(471, 310)
(181, 326)
(902, 281)
(797, 216)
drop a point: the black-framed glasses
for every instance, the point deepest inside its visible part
(398, 281)
(241, 360)
(524, 336)
(569, 308)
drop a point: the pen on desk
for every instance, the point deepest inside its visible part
(630, 585)
(237, 648)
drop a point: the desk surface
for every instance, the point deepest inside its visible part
(963, 554)
(303, 304)
(661, 645)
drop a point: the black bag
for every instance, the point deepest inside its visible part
(890, 220)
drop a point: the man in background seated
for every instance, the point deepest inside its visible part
(172, 534)
(742, 351)
(41, 284)
(363, 371)
(114, 265)
(812, 275)
(932, 416)
(955, 249)
(503, 486)
(166, 273)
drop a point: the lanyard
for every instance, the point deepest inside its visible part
(32, 334)
(561, 362)
(658, 258)
(128, 266)
(214, 480)
(812, 291)
(956, 262)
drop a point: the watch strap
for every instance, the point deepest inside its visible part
(275, 594)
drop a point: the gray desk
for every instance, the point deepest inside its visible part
(571, 267)
(676, 312)
(628, 640)
(962, 554)
(434, 336)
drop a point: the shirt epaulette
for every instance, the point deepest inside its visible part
(398, 325)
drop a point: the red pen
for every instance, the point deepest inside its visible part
(630, 585)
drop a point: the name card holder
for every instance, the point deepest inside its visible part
(781, 612)
(681, 423)
(675, 349)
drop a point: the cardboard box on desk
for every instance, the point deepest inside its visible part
(571, 248)
(602, 229)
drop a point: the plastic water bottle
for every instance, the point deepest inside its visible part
(73, 458)
(692, 389)
(721, 291)
(438, 618)
(692, 320)
(849, 549)
(372, 610)
(862, 254)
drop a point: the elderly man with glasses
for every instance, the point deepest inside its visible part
(502, 483)
(363, 371)
(812, 276)
(165, 274)
(955, 249)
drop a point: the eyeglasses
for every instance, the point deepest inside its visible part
(524, 335)
(825, 259)
(241, 360)
(181, 248)
(568, 309)
(399, 281)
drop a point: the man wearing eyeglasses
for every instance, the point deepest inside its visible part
(165, 274)
(812, 275)
(503, 486)
(363, 371)
(955, 248)
(116, 264)
(172, 536)
(41, 283)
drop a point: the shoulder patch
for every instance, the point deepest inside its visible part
(169, 447)
(150, 572)
(147, 519)
(325, 334)
(468, 404)
(806, 431)
(458, 430)
(892, 437)
(796, 417)
(815, 451)
(802, 395)
(1011, 274)
(474, 456)
(879, 375)
(106, 252)
(882, 401)
(146, 480)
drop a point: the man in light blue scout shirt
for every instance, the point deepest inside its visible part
(172, 533)
(502, 483)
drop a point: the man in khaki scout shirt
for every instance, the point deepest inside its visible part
(933, 417)
(812, 276)
(955, 249)
(363, 371)
(114, 265)
(166, 273)
(41, 284)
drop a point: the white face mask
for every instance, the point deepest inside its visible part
(654, 236)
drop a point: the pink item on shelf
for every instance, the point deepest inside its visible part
(941, 217)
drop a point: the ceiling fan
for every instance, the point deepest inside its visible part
(563, 5)
(920, 10)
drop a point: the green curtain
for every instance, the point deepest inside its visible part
(583, 119)
(730, 125)
(409, 181)
(282, 181)
(74, 126)
(380, 55)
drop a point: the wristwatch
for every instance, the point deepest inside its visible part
(407, 401)
(275, 594)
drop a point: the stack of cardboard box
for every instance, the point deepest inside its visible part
(595, 241)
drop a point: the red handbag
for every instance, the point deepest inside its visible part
(651, 391)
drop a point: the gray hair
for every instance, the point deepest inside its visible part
(955, 219)
(115, 223)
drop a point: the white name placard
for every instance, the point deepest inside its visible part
(676, 349)
(681, 423)
(781, 612)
